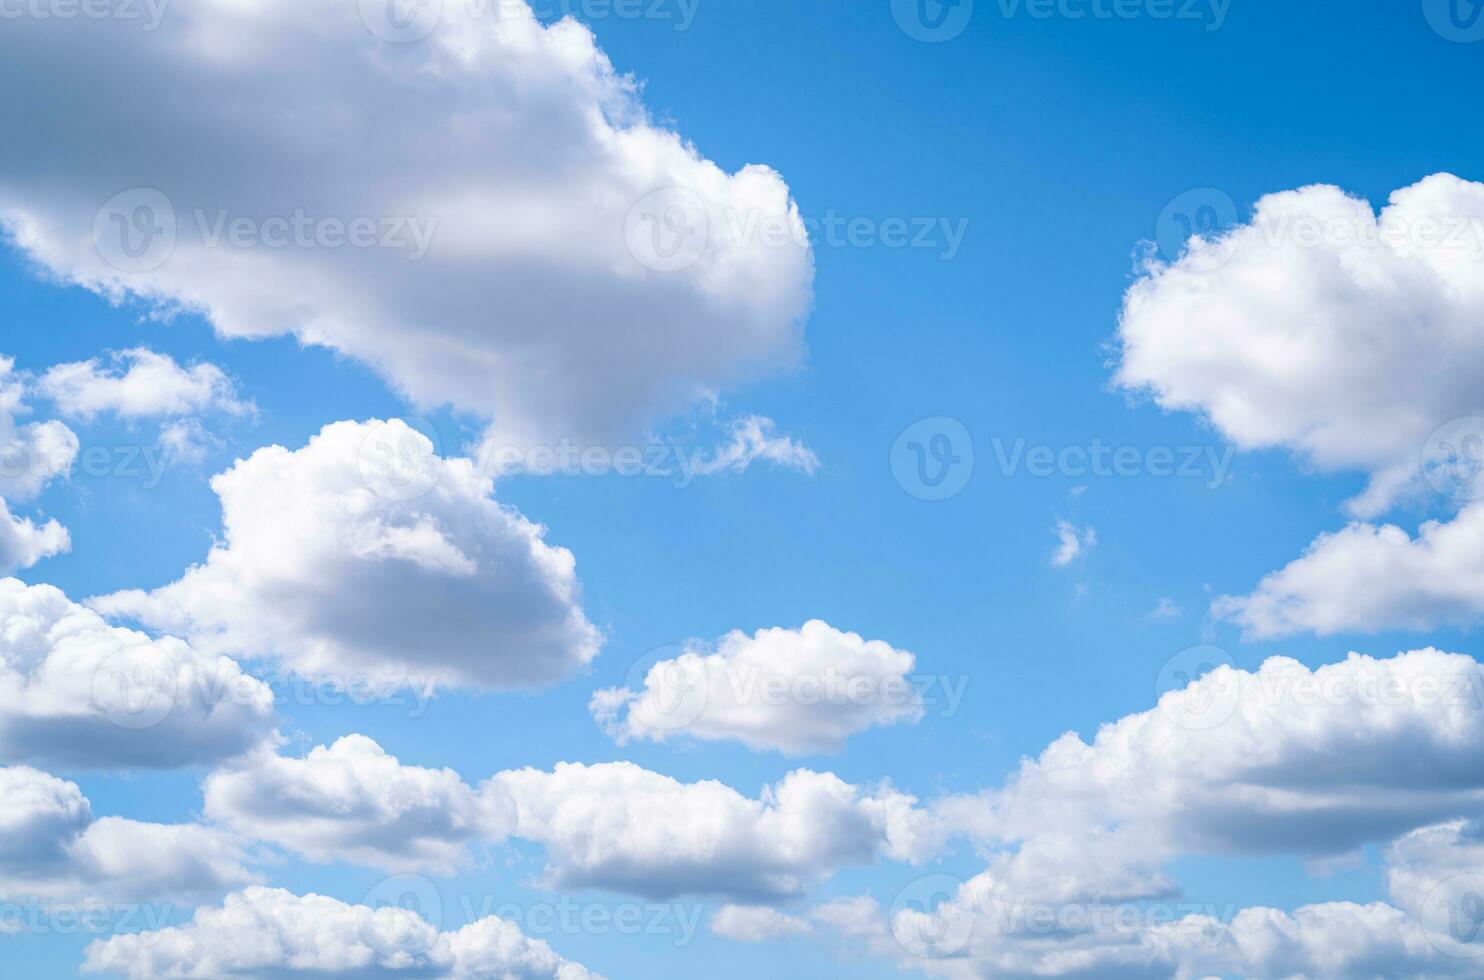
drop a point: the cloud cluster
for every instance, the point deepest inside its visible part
(366, 555)
(271, 932)
(1283, 760)
(483, 213)
(794, 690)
(75, 691)
(614, 826)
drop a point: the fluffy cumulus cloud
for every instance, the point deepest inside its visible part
(270, 932)
(620, 827)
(1346, 335)
(1370, 577)
(139, 383)
(78, 692)
(32, 454)
(479, 207)
(365, 556)
(52, 848)
(803, 690)
(353, 801)
(1284, 760)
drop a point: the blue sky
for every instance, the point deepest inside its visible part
(1053, 147)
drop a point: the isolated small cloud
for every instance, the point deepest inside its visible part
(757, 924)
(1071, 543)
(793, 690)
(754, 438)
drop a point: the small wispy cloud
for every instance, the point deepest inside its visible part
(1072, 542)
(753, 438)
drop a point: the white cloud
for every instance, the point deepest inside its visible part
(618, 826)
(355, 802)
(1165, 608)
(803, 690)
(1071, 543)
(757, 923)
(271, 932)
(31, 456)
(1366, 578)
(53, 849)
(463, 213)
(753, 438)
(1284, 760)
(1323, 327)
(139, 383)
(365, 554)
(78, 692)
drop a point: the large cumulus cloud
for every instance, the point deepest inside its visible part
(482, 212)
